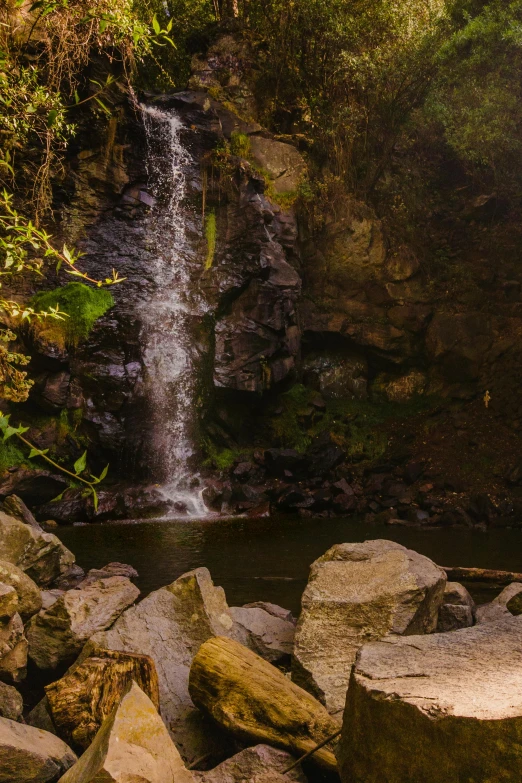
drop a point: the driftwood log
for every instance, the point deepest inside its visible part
(482, 575)
(88, 693)
(254, 701)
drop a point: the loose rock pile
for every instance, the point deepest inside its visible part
(182, 688)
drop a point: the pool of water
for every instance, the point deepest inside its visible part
(268, 559)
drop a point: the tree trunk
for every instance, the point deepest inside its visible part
(85, 696)
(482, 575)
(255, 702)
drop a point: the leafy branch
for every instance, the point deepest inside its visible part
(22, 235)
(79, 466)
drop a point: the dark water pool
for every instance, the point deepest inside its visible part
(268, 559)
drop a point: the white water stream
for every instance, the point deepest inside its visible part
(168, 350)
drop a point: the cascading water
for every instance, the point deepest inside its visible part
(168, 317)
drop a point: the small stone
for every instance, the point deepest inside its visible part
(249, 763)
(13, 649)
(270, 637)
(29, 598)
(457, 610)
(8, 602)
(11, 702)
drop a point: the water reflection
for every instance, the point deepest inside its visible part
(268, 559)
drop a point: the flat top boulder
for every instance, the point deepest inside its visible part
(474, 672)
(442, 708)
(359, 593)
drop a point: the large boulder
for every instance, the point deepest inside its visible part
(270, 636)
(57, 634)
(29, 596)
(443, 708)
(457, 610)
(283, 164)
(11, 702)
(42, 556)
(257, 760)
(132, 746)
(29, 755)
(170, 625)
(358, 593)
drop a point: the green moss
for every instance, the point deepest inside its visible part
(11, 455)
(220, 459)
(83, 306)
(360, 427)
(240, 144)
(211, 236)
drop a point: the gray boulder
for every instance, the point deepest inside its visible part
(132, 746)
(29, 755)
(282, 162)
(11, 702)
(506, 604)
(247, 765)
(457, 610)
(58, 633)
(29, 597)
(170, 625)
(442, 708)
(42, 556)
(269, 636)
(358, 593)
(273, 609)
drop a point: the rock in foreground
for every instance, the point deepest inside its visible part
(358, 593)
(81, 700)
(42, 556)
(59, 633)
(132, 746)
(444, 708)
(170, 625)
(255, 702)
(29, 755)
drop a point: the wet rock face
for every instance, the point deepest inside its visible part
(252, 338)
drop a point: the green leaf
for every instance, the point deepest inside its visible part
(4, 421)
(169, 26)
(103, 106)
(80, 463)
(95, 499)
(156, 24)
(103, 25)
(9, 432)
(58, 497)
(104, 472)
(51, 117)
(37, 453)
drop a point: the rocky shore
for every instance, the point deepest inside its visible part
(390, 673)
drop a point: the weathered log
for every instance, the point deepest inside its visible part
(458, 574)
(88, 693)
(255, 702)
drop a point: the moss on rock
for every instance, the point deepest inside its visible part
(82, 306)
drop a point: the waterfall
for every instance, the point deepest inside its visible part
(169, 315)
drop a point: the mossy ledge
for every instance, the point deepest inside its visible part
(82, 305)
